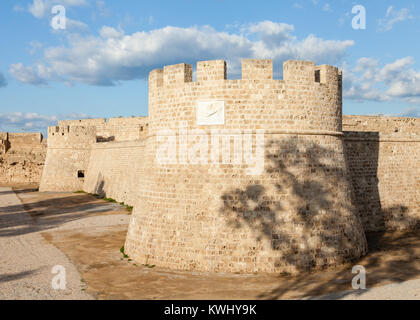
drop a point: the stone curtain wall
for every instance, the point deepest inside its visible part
(115, 129)
(383, 155)
(113, 170)
(99, 148)
(123, 129)
(22, 157)
(297, 213)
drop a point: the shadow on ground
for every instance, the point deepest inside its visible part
(49, 210)
(16, 276)
(393, 257)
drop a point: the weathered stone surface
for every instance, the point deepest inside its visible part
(22, 157)
(76, 161)
(383, 154)
(295, 214)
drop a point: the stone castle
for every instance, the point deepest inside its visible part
(325, 179)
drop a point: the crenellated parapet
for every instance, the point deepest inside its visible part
(304, 72)
(307, 99)
(88, 131)
(71, 136)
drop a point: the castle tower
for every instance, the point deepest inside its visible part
(67, 157)
(245, 175)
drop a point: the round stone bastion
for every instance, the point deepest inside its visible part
(245, 175)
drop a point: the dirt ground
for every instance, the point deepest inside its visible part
(95, 251)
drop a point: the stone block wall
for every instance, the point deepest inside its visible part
(113, 170)
(122, 129)
(95, 155)
(383, 154)
(297, 213)
(22, 157)
(25, 140)
(113, 129)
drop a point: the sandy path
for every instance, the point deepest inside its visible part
(51, 228)
(407, 290)
(26, 259)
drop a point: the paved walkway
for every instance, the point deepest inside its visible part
(407, 290)
(26, 259)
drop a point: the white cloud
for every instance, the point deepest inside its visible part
(111, 33)
(403, 82)
(360, 87)
(74, 24)
(114, 56)
(31, 121)
(3, 81)
(271, 31)
(368, 67)
(396, 80)
(394, 69)
(26, 74)
(392, 17)
(40, 8)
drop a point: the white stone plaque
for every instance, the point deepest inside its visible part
(211, 112)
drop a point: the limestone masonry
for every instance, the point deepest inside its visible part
(325, 179)
(22, 157)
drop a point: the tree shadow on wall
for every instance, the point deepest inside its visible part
(100, 186)
(303, 210)
(362, 157)
(309, 181)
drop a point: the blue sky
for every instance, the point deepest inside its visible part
(98, 65)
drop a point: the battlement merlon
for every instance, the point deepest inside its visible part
(177, 74)
(156, 79)
(211, 70)
(296, 71)
(328, 74)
